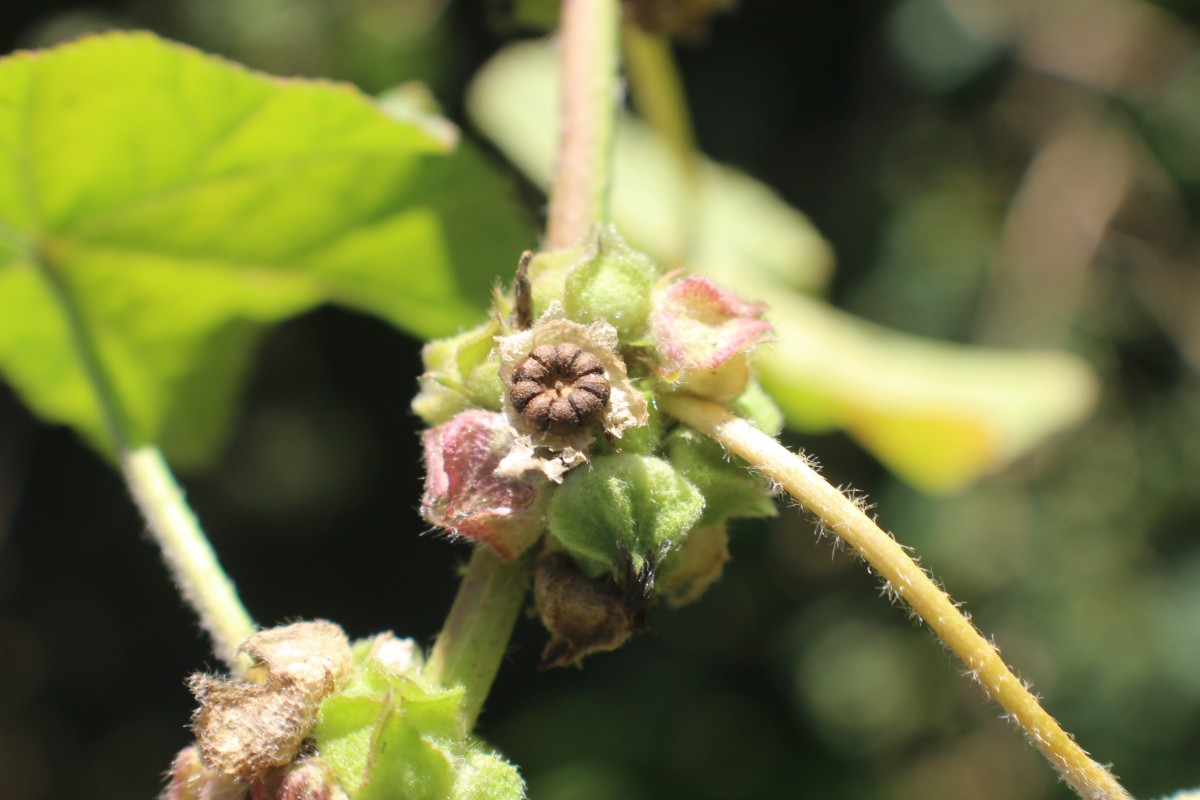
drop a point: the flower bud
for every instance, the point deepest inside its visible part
(309, 779)
(460, 372)
(704, 334)
(624, 506)
(391, 732)
(464, 493)
(190, 779)
(610, 281)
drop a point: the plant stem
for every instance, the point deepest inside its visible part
(475, 635)
(908, 582)
(658, 93)
(588, 48)
(188, 554)
(471, 645)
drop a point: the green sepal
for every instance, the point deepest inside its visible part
(623, 505)
(461, 372)
(611, 282)
(484, 776)
(391, 733)
(645, 440)
(599, 278)
(729, 488)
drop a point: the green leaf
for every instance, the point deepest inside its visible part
(185, 202)
(938, 415)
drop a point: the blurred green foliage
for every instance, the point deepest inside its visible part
(998, 173)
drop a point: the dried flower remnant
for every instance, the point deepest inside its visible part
(464, 493)
(245, 728)
(560, 389)
(586, 615)
(704, 334)
(541, 449)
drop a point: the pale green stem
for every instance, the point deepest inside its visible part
(908, 582)
(658, 93)
(471, 645)
(194, 566)
(186, 549)
(473, 640)
(588, 51)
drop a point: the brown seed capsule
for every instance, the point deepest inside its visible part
(586, 615)
(559, 388)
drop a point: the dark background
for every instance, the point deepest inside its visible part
(791, 678)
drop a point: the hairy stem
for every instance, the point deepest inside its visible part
(171, 522)
(909, 582)
(475, 635)
(187, 552)
(588, 49)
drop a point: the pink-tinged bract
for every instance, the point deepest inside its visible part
(466, 496)
(700, 325)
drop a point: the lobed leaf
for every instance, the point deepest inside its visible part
(185, 202)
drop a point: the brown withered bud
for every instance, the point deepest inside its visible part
(559, 388)
(585, 615)
(247, 727)
(522, 316)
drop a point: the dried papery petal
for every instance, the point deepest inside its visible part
(703, 333)
(247, 727)
(541, 449)
(467, 496)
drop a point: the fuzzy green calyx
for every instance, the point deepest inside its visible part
(461, 372)
(729, 488)
(623, 506)
(392, 733)
(599, 278)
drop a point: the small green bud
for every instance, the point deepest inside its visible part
(728, 486)
(611, 282)
(624, 506)
(461, 372)
(599, 278)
